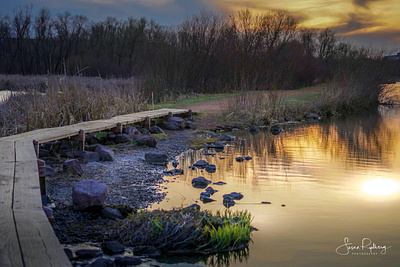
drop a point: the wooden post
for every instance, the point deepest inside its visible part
(147, 123)
(117, 129)
(190, 113)
(170, 115)
(42, 176)
(36, 146)
(81, 138)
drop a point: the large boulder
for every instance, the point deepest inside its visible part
(74, 166)
(146, 140)
(178, 120)
(88, 193)
(105, 153)
(200, 182)
(156, 158)
(190, 125)
(169, 125)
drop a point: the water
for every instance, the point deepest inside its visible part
(338, 179)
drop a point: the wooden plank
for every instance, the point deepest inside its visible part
(7, 152)
(24, 151)
(26, 186)
(6, 184)
(39, 245)
(10, 253)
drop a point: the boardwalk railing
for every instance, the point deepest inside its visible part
(26, 236)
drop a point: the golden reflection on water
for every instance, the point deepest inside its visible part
(337, 179)
(380, 187)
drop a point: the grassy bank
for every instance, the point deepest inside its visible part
(185, 230)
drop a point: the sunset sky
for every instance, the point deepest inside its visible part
(365, 22)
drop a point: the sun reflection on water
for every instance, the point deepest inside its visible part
(380, 187)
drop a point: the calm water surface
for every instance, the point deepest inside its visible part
(338, 179)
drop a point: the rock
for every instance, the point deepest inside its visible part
(265, 202)
(219, 183)
(72, 154)
(122, 138)
(111, 213)
(312, 117)
(156, 158)
(111, 135)
(127, 261)
(178, 120)
(91, 139)
(167, 125)
(69, 253)
(50, 171)
(144, 131)
(201, 164)
(102, 262)
(200, 182)
(236, 196)
(112, 247)
(254, 129)
(213, 135)
(105, 153)
(275, 130)
(148, 251)
(192, 207)
(239, 159)
(226, 137)
(228, 202)
(193, 168)
(211, 190)
(207, 200)
(87, 193)
(248, 158)
(146, 140)
(210, 154)
(211, 168)
(74, 165)
(204, 194)
(88, 253)
(155, 130)
(90, 156)
(130, 130)
(219, 145)
(283, 205)
(190, 125)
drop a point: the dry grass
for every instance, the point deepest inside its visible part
(65, 101)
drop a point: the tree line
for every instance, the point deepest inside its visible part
(205, 53)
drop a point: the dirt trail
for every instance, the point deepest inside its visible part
(210, 111)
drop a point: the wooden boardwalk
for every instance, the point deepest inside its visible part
(26, 236)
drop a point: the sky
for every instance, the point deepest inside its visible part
(374, 23)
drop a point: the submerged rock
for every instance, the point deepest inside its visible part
(239, 159)
(211, 168)
(219, 183)
(248, 158)
(211, 190)
(228, 202)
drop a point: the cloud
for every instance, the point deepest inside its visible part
(364, 3)
(354, 22)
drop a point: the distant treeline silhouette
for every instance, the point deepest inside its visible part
(207, 52)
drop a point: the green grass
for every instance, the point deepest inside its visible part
(192, 100)
(302, 99)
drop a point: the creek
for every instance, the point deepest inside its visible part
(338, 179)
